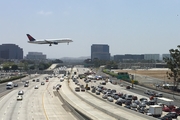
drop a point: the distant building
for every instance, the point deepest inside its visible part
(166, 56)
(100, 51)
(128, 57)
(11, 51)
(35, 56)
(152, 56)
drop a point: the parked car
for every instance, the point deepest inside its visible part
(37, 80)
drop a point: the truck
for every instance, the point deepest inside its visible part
(155, 110)
(9, 85)
(165, 101)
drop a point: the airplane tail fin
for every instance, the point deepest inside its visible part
(30, 37)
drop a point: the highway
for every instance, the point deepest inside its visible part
(46, 103)
(37, 104)
(106, 107)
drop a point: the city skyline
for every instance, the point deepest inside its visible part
(128, 27)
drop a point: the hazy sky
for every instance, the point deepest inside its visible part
(127, 26)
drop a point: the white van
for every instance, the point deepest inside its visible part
(9, 85)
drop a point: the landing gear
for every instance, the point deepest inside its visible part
(50, 45)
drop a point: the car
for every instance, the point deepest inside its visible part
(37, 80)
(128, 102)
(159, 95)
(36, 87)
(47, 80)
(134, 98)
(133, 105)
(83, 89)
(110, 99)
(104, 96)
(27, 82)
(19, 97)
(77, 89)
(92, 86)
(128, 87)
(116, 97)
(93, 90)
(42, 83)
(127, 106)
(26, 85)
(129, 97)
(103, 83)
(174, 115)
(33, 80)
(97, 93)
(15, 85)
(21, 92)
(137, 102)
(58, 85)
(122, 100)
(118, 102)
(142, 99)
(151, 102)
(147, 92)
(142, 105)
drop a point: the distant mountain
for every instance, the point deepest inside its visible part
(74, 59)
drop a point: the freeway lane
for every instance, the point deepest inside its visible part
(20, 83)
(81, 105)
(37, 104)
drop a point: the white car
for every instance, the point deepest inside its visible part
(36, 87)
(19, 97)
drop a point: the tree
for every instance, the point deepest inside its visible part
(14, 67)
(173, 63)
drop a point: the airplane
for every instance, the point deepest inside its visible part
(48, 41)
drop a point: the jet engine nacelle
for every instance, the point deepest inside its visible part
(55, 43)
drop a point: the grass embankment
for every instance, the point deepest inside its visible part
(12, 78)
(121, 76)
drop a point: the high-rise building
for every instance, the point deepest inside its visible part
(100, 51)
(35, 56)
(11, 51)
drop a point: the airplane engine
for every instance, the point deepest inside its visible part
(55, 43)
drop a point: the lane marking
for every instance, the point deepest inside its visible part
(43, 104)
